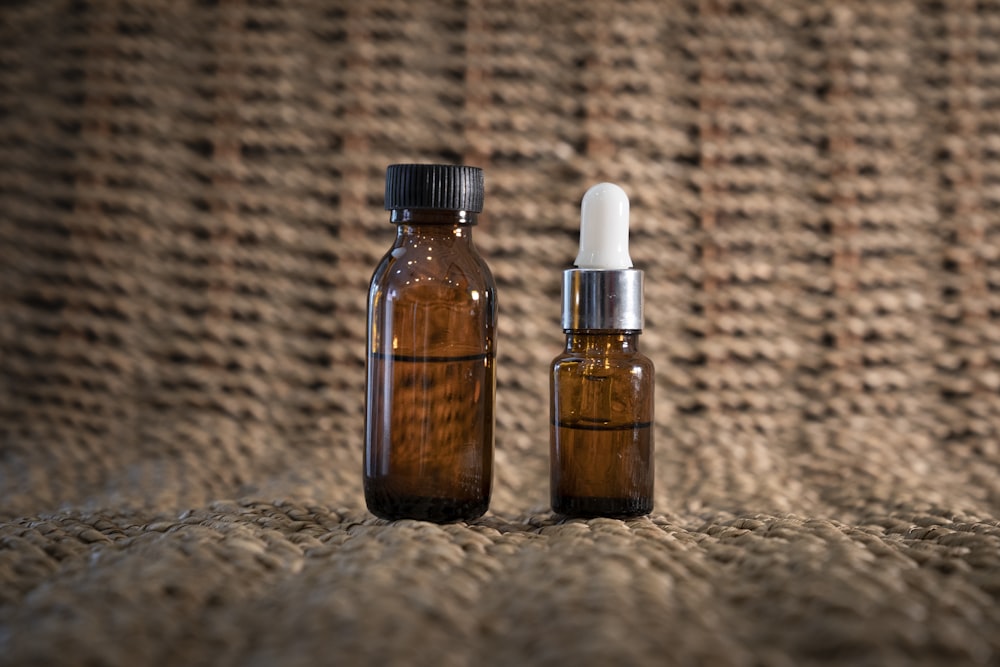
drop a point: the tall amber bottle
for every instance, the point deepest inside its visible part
(601, 435)
(431, 370)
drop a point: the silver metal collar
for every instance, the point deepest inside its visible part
(602, 300)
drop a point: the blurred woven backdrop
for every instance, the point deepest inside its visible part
(190, 211)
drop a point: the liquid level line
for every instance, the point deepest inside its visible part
(429, 358)
(602, 427)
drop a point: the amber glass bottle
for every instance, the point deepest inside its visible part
(601, 385)
(431, 369)
(602, 407)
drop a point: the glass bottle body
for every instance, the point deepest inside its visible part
(431, 373)
(601, 435)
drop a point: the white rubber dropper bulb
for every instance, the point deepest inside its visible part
(604, 229)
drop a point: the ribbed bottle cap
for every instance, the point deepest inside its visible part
(442, 186)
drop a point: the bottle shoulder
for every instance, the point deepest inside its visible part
(607, 347)
(582, 362)
(442, 268)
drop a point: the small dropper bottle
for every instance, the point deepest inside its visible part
(601, 385)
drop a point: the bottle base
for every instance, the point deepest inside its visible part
(425, 508)
(588, 507)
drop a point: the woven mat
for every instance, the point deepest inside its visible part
(190, 211)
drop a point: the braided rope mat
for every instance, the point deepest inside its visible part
(189, 215)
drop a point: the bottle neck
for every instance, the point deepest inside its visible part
(602, 342)
(433, 216)
(445, 228)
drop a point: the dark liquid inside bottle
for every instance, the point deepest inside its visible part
(427, 457)
(429, 426)
(602, 470)
(602, 436)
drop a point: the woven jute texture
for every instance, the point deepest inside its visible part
(190, 212)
